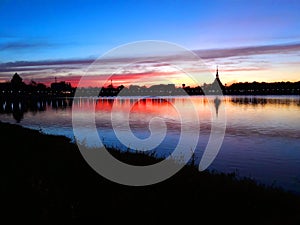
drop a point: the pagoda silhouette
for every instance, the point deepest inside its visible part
(217, 87)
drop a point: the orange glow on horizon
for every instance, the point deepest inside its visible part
(228, 76)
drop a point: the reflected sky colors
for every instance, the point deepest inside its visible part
(261, 140)
(250, 40)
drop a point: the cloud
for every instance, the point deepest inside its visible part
(46, 63)
(205, 54)
(234, 59)
(23, 45)
(248, 50)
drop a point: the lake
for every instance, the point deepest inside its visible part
(262, 138)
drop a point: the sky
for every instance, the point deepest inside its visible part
(257, 40)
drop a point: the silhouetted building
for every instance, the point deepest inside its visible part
(217, 85)
(61, 87)
(16, 89)
(16, 82)
(4, 87)
(215, 88)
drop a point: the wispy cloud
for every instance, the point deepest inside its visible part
(203, 53)
(248, 50)
(46, 63)
(144, 66)
(23, 45)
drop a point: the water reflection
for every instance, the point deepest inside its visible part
(277, 100)
(217, 103)
(18, 108)
(262, 134)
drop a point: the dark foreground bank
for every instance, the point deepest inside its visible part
(46, 181)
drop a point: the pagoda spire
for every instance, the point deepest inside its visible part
(217, 74)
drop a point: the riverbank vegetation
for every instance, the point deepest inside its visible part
(46, 181)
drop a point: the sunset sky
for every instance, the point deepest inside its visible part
(255, 40)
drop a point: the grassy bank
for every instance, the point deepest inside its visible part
(46, 181)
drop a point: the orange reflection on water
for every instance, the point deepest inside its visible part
(164, 107)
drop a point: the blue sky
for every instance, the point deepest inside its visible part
(71, 30)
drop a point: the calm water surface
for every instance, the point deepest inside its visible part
(262, 138)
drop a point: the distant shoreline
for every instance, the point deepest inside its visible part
(19, 97)
(16, 88)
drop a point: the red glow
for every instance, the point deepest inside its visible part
(117, 79)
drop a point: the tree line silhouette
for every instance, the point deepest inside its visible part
(16, 88)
